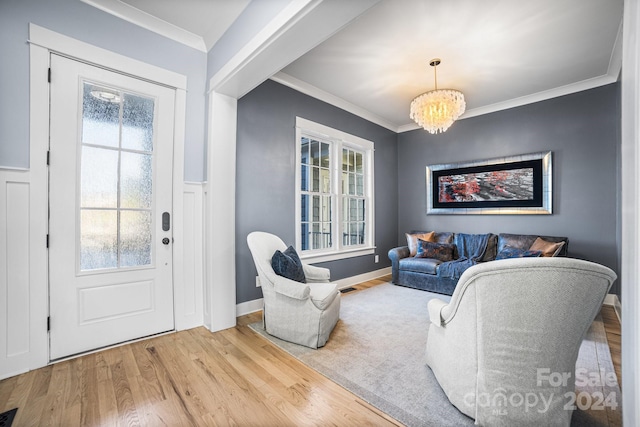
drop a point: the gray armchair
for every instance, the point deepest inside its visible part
(513, 329)
(301, 313)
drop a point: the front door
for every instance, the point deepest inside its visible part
(110, 198)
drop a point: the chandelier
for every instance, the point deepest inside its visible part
(436, 110)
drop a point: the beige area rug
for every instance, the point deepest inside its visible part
(377, 352)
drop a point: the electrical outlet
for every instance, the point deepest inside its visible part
(377, 258)
(258, 282)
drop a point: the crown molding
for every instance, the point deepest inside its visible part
(336, 101)
(541, 96)
(308, 89)
(149, 22)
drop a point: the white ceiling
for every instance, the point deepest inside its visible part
(499, 53)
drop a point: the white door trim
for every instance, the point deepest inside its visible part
(42, 43)
(85, 52)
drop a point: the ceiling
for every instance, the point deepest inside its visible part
(499, 53)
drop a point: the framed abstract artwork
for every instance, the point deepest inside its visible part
(508, 185)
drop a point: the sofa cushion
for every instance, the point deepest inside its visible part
(510, 252)
(412, 240)
(287, 264)
(323, 294)
(524, 241)
(548, 249)
(444, 237)
(439, 251)
(492, 249)
(419, 265)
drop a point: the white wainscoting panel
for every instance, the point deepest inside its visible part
(189, 302)
(22, 277)
(17, 258)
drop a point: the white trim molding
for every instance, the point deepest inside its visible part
(630, 215)
(149, 22)
(220, 222)
(189, 302)
(85, 52)
(336, 101)
(612, 300)
(354, 280)
(249, 307)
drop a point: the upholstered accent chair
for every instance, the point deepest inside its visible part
(512, 331)
(301, 313)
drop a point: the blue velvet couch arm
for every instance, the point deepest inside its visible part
(395, 255)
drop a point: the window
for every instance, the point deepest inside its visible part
(334, 193)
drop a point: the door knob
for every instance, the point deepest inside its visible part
(165, 241)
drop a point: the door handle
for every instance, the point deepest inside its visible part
(166, 222)
(165, 241)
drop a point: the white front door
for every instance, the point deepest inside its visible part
(110, 197)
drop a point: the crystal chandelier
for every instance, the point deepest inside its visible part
(436, 110)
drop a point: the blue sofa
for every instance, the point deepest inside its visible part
(423, 273)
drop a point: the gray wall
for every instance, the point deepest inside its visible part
(88, 24)
(583, 132)
(265, 176)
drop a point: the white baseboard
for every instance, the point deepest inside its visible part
(256, 304)
(248, 307)
(613, 300)
(354, 280)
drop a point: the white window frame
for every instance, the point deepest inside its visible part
(338, 140)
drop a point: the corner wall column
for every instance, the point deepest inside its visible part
(220, 204)
(630, 247)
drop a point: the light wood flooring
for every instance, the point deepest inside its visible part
(195, 378)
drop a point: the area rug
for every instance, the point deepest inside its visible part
(377, 352)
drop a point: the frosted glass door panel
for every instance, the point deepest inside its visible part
(137, 123)
(99, 180)
(135, 180)
(98, 239)
(100, 116)
(117, 176)
(135, 238)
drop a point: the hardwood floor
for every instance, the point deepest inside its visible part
(194, 377)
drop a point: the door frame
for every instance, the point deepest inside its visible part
(43, 42)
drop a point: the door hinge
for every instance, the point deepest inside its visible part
(49, 75)
(48, 323)
(47, 241)
(48, 157)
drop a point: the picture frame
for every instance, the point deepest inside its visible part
(507, 186)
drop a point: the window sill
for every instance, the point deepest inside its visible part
(333, 256)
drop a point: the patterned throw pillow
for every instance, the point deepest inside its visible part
(439, 251)
(412, 240)
(547, 248)
(511, 252)
(287, 264)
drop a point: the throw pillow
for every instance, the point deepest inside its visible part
(439, 251)
(511, 252)
(548, 249)
(412, 240)
(287, 264)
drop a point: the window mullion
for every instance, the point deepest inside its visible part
(335, 187)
